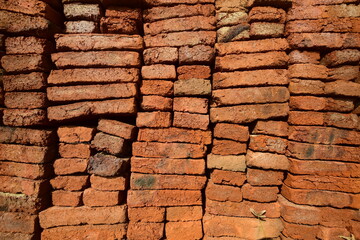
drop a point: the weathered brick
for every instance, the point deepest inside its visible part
(267, 14)
(31, 171)
(153, 119)
(157, 87)
(267, 160)
(309, 71)
(16, 236)
(123, 12)
(70, 183)
(231, 163)
(293, 231)
(174, 135)
(26, 136)
(239, 32)
(108, 183)
(75, 134)
(107, 165)
(190, 120)
(24, 117)
(338, 25)
(96, 58)
(306, 118)
(230, 5)
(81, 27)
(191, 213)
(178, 39)
(96, 198)
(223, 193)
(23, 82)
(167, 166)
(66, 198)
(342, 88)
(192, 87)
(19, 202)
(341, 120)
(228, 147)
(327, 11)
(27, 45)
(308, 87)
(156, 103)
(188, 230)
(263, 143)
(147, 181)
(259, 177)
(26, 63)
(146, 214)
(82, 215)
(228, 177)
(27, 187)
(276, 128)
(26, 154)
(27, 100)
(259, 194)
(158, 71)
(320, 104)
(79, 150)
(79, 11)
(230, 18)
(158, 198)
(196, 55)
(172, 2)
(341, 57)
(151, 231)
(231, 131)
(193, 71)
(118, 25)
(161, 55)
(324, 40)
(117, 128)
(192, 105)
(267, 29)
(347, 73)
(110, 144)
(304, 57)
(18, 222)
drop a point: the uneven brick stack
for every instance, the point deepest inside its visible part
(2, 53)
(321, 191)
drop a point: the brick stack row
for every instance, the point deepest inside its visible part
(2, 53)
(249, 109)
(168, 164)
(25, 153)
(321, 191)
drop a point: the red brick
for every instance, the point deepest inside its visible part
(248, 113)
(275, 128)
(299, 231)
(27, 187)
(231, 131)
(342, 88)
(314, 12)
(18, 222)
(70, 183)
(307, 87)
(24, 117)
(91, 92)
(337, 25)
(25, 63)
(167, 166)
(107, 165)
(75, 11)
(83, 109)
(66, 42)
(254, 60)
(27, 45)
(191, 213)
(117, 128)
(65, 166)
(146, 214)
(305, 57)
(81, 215)
(192, 105)
(231, 18)
(123, 12)
(178, 39)
(174, 135)
(267, 29)
(171, 150)
(148, 231)
(96, 198)
(66, 198)
(231, 163)
(320, 2)
(267, 14)
(26, 154)
(118, 25)
(250, 78)
(223, 193)
(341, 120)
(267, 160)
(16, 236)
(108, 143)
(28, 100)
(228, 177)
(157, 87)
(259, 177)
(156, 103)
(324, 40)
(79, 150)
(263, 143)
(223, 97)
(333, 233)
(230, 5)
(108, 183)
(22, 82)
(26, 136)
(158, 71)
(116, 231)
(259, 194)
(309, 71)
(147, 181)
(81, 27)
(346, 73)
(238, 32)
(193, 71)
(96, 58)
(192, 87)
(184, 230)
(158, 198)
(31, 171)
(306, 118)
(192, 23)
(153, 119)
(75, 134)
(93, 75)
(196, 54)
(228, 147)
(162, 55)
(190, 120)
(320, 104)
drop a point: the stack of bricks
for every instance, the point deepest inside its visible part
(168, 164)
(2, 53)
(321, 193)
(249, 97)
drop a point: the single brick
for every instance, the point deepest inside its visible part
(27, 45)
(191, 213)
(26, 154)
(75, 134)
(260, 194)
(228, 147)
(223, 193)
(230, 163)
(96, 198)
(192, 87)
(70, 183)
(146, 214)
(188, 230)
(196, 55)
(81, 27)
(24, 82)
(107, 165)
(190, 120)
(193, 71)
(110, 144)
(108, 183)
(66, 198)
(79, 11)
(263, 143)
(153, 119)
(117, 128)
(80, 150)
(158, 71)
(161, 55)
(66, 166)
(267, 160)
(24, 117)
(228, 177)
(26, 136)
(191, 105)
(157, 87)
(231, 131)
(156, 103)
(26, 63)
(259, 177)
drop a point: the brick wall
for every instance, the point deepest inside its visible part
(179, 119)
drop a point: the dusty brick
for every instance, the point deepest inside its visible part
(193, 71)
(231, 131)
(18, 222)
(146, 181)
(23, 82)
(96, 198)
(27, 187)
(308, 87)
(259, 194)
(70, 183)
(267, 14)
(172, 2)
(27, 100)
(276, 128)
(250, 78)
(314, 12)
(267, 29)
(196, 54)
(174, 135)
(117, 128)
(342, 88)
(82, 215)
(118, 25)
(81, 27)
(306, 118)
(192, 87)
(259, 177)
(26, 154)
(26, 136)
(230, 5)
(263, 143)
(228, 147)
(108, 183)
(75, 134)
(228, 177)
(123, 12)
(79, 150)
(66, 198)
(18, 202)
(324, 40)
(309, 71)
(110, 144)
(25, 63)
(163, 198)
(97, 42)
(178, 39)
(27, 45)
(293, 231)
(107, 165)
(248, 113)
(16, 236)
(346, 73)
(83, 109)
(158, 71)
(171, 150)
(31, 171)
(192, 105)
(96, 58)
(223, 193)
(252, 60)
(192, 213)
(320, 104)
(146, 214)
(157, 87)
(304, 57)
(230, 18)
(231, 163)
(350, 121)
(168, 166)
(24, 117)
(223, 97)
(153, 119)
(190, 120)
(65, 166)
(156, 103)
(267, 160)
(238, 32)
(187, 230)
(341, 57)
(162, 55)
(337, 25)
(151, 231)
(79, 11)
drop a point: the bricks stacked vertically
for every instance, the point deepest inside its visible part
(249, 106)
(323, 182)
(2, 53)
(168, 164)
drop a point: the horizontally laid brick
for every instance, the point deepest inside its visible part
(29, 100)
(307, 71)
(308, 87)
(70, 183)
(188, 230)
(96, 198)
(79, 150)
(267, 14)
(27, 45)
(107, 165)
(266, 29)
(178, 39)
(259, 194)
(184, 213)
(20, 202)
(172, 2)
(76, 11)
(157, 87)
(231, 18)
(324, 11)
(26, 136)
(116, 128)
(153, 119)
(298, 56)
(156, 103)
(18, 222)
(337, 25)
(341, 120)
(260, 177)
(276, 128)
(158, 71)
(238, 32)
(109, 143)
(31, 171)
(23, 82)
(343, 88)
(75, 134)
(26, 154)
(28, 187)
(108, 183)
(174, 135)
(324, 40)
(228, 177)
(65, 166)
(123, 12)
(223, 193)
(231, 131)
(145, 230)
(320, 104)
(228, 147)
(81, 27)
(26, 63)
(24, 117)
(66, 198)
(190, 120)
(264, 143)
(193, 71)
(231, 163)
(146, 214)
(192, 105)
(267, 160)
(344, 73)
(118, 25)
(192, 87)
(162, 55)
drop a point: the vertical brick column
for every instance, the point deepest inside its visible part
(323, 179)
(168, 167)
